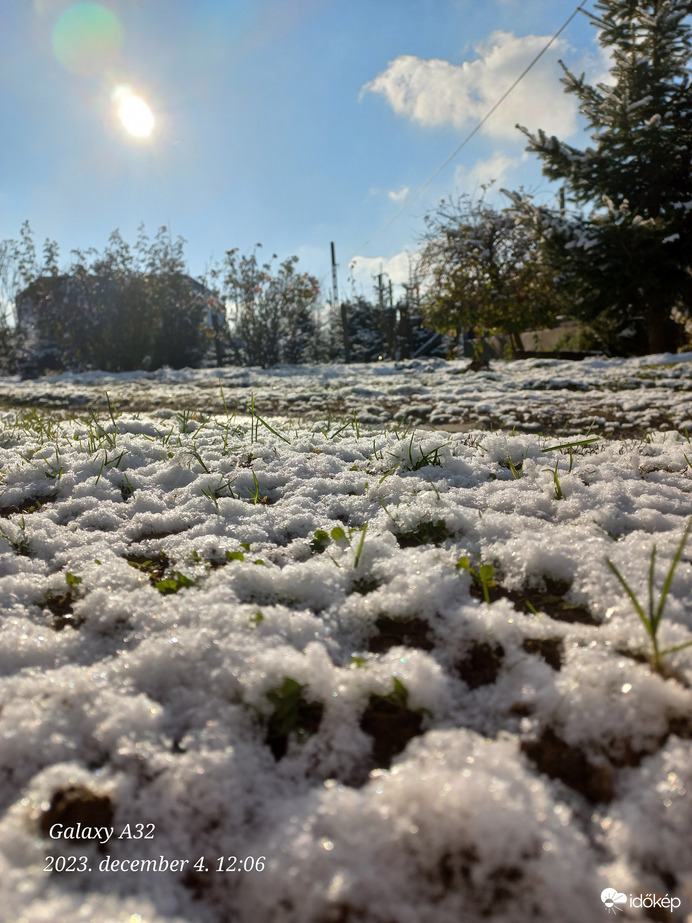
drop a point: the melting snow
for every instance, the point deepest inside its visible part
(267, 638)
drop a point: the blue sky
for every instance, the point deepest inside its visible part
(287, 122)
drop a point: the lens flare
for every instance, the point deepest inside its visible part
(134, 112)
(87, 38)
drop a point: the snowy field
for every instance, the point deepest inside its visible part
(314, 662)
(614, 397)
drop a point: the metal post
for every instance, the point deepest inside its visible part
(335, 287)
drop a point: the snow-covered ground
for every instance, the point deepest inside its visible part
(623, 397)
(250, 672)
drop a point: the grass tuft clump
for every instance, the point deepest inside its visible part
(60, 604)
(321, 539)
(651, 619)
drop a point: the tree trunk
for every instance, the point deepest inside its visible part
(515, 341)
(663, 335)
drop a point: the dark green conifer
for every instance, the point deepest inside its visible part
(623, 249)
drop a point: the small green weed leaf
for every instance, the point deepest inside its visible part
(338, 534)
(292, 715)
(483, 577)
(72, 580)
(235, 556)
(485, 573)
(285, 696)
(428, 532)
(167, 586)
(287, 700)
(320, 541)
(400, 695)
(174, 583)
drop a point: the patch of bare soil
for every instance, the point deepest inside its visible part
(391, 725)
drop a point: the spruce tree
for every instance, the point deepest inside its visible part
(623, 250)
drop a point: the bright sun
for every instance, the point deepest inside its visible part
(134, 113)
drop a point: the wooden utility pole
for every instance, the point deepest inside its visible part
(344, 310)
(379, 288)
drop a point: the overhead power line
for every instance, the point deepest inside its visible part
(478, 127)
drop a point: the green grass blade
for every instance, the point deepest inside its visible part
(652, 569)
(568, 445)
(223, 398)
(271, 428)
(382, 504)
(677, 647)
(513, 469)
(387, 473)
(360, 545)
(437, 493)
(111, 410)
(635, 602)
(671, 571)
(340, 430)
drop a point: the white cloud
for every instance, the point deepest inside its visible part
(365, 269)
(482, 172)
(436, 92)
(310, 255)
(398, 195)
(597, 65)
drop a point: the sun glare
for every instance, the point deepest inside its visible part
(134, 113)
